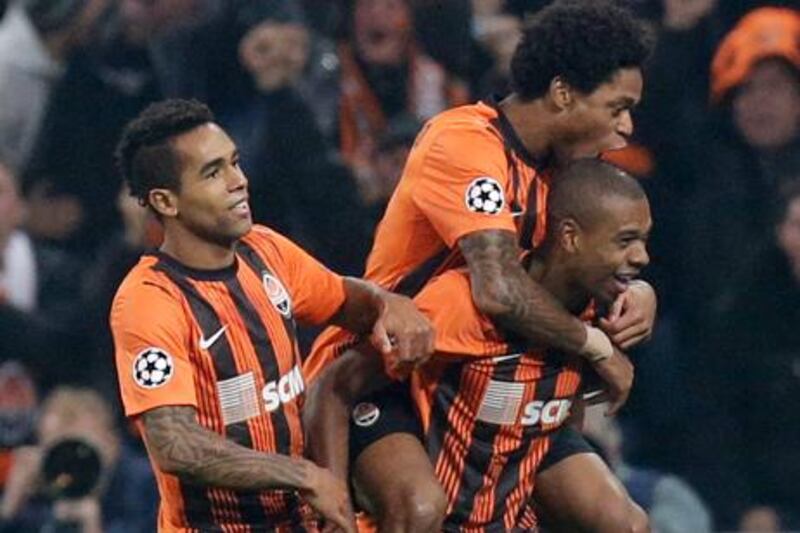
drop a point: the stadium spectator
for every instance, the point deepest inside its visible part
(37, 39)
(385, 73)
(751, 152)
(749, 381)
(123, 498)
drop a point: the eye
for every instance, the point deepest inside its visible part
(214, 173)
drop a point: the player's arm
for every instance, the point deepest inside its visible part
(502, 290)
(182, 447)
(395, 325)
(329, 402)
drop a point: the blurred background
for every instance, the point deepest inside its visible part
(324, 99)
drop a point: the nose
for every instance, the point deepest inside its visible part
(237, 179)
(625, 124)
(639, 257)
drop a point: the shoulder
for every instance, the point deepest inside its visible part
(145, 289)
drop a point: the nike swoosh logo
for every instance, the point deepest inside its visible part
(516, 214)
(205, 344)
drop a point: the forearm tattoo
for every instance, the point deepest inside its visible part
(196, 455)
(514, 301)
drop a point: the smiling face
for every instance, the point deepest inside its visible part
(601, 120)
(611, 250)
(212, 201)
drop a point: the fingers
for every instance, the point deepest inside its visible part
(631, 337)
(380, 338)
(616, 308)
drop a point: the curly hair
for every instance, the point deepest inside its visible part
(583, 41)
(144, 156)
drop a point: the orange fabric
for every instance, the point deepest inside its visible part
(241, 373)
(762, 33)
(634, 159)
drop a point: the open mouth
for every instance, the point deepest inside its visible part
(241, 207)
(622, 280)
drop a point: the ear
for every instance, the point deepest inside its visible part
(569, 235)
(561, 93)
(164, 202)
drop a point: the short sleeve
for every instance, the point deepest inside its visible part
(317, 293)
(463, 183)
(151, 342)
(461, 330)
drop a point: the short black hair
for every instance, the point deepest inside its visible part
(583, 41)
(144, 156)
(578, 190)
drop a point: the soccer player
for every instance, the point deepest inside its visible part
(492, 408)
(474, 192)
(204, 332)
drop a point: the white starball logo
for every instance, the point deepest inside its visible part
(152, 368)
(485, 195)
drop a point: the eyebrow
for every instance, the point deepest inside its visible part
(625, 101)
(217, 162)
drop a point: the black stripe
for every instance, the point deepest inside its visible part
(529, 218)
(269, 362)
(414, 281)
(508, 481)
(197, 503)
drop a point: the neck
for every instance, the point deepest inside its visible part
(195, 252)
(532, 121)
(551, 274)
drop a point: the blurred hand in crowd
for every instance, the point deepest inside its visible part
(11, 206)
(146, 19)
(275, 54)
(761, 519)
(685, 14)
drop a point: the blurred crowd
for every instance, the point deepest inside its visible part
(324, 100)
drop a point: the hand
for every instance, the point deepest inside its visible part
(632, 316)
(22, 481)
(330, 497)
(85, 512)
(402, 334)
(274, 54)
(685, 14)
(617, 373)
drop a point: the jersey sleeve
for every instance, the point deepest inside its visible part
(461, 330)
(463, 183)
(317, 293)
(151, 342)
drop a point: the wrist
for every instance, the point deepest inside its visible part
(308, 480)
(597, 346)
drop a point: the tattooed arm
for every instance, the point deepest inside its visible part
(502, 290)
(506, 293)
(182, 447)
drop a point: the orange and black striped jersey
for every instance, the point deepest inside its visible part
(488, 408)
(468, 171)
(224, 342)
